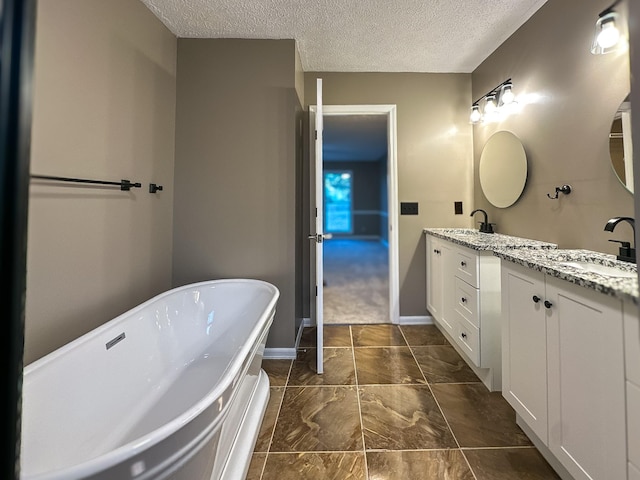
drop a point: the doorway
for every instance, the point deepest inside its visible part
(360, 258)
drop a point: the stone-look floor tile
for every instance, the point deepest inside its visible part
(510, 463)
(277, 370)
(387, 365)
(479, 418)
(338, 368)
(318, 419)
(269, 419)
(308, 338)
(320, 466)
(334, 336)
(402, 417)
(256, 465)
(420, 335)
(418, 465)
(337, 336)
(442, 364)
(377, 336)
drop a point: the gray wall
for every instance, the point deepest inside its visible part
(434, 155)
(104, 107)
(236, 177)
(565, 133)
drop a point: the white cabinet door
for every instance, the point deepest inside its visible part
(524, 346)
(586, 381)
(434, 277)
(440, 282)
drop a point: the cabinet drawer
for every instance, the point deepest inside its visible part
(466, 263)
(633, 423)
(469, 340)
(466, 302)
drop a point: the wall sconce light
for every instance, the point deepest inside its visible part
(495, 102)
(607, 37)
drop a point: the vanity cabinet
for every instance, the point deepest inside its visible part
(632, 354)
(524, 346)
(564, 370)
(463, 297)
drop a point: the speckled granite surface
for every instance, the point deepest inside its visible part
(485, 241)
(554, 263)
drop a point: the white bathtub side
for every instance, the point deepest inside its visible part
(84, 401)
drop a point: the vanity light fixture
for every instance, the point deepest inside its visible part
(607, 37)
(475, 116)
(494, 101)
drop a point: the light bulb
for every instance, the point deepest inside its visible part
(609, 35)
(490, 105)
(475, 116)
(507, 95)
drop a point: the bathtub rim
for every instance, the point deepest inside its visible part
(140, 444)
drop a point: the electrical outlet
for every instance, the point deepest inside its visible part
(457, 208)
(408, 208)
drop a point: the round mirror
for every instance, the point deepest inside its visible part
(503, 169)
(620, 146)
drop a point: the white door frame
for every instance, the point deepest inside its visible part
(392, 189)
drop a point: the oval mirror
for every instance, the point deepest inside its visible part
(620, 145)
(503, 169)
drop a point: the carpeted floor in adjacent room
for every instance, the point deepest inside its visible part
(356, 274)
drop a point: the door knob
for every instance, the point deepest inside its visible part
(536, 299)
(547, 304)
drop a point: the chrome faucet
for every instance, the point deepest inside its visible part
(485, 227)
(626, 253)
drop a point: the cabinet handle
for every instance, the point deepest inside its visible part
(464, 300)
(536, 299)
(436, 251)
(547, 304)
(463, 264)
(463, 335)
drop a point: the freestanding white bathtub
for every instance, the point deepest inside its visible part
(171, 389)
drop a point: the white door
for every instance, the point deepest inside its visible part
(318, 236)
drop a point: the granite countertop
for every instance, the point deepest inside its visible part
(486, 241)
(553, 262)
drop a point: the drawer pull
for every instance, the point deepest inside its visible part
(463, 264)
(463, 300)
(463, 335)
(536, 299)
(547, 304)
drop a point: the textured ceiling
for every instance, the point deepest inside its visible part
(452, 36)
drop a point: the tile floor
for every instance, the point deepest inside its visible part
(393, 403)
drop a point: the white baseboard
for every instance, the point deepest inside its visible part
(416, 320)
(279, 353)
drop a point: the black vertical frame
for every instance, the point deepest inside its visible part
(17, 32)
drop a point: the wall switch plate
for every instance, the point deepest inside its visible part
(457, 208)
(408, 208)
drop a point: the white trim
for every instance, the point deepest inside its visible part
(279, 353)
(416, 320)
(392, 190)
(299, 335)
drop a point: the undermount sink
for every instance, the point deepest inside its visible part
(600, 269)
